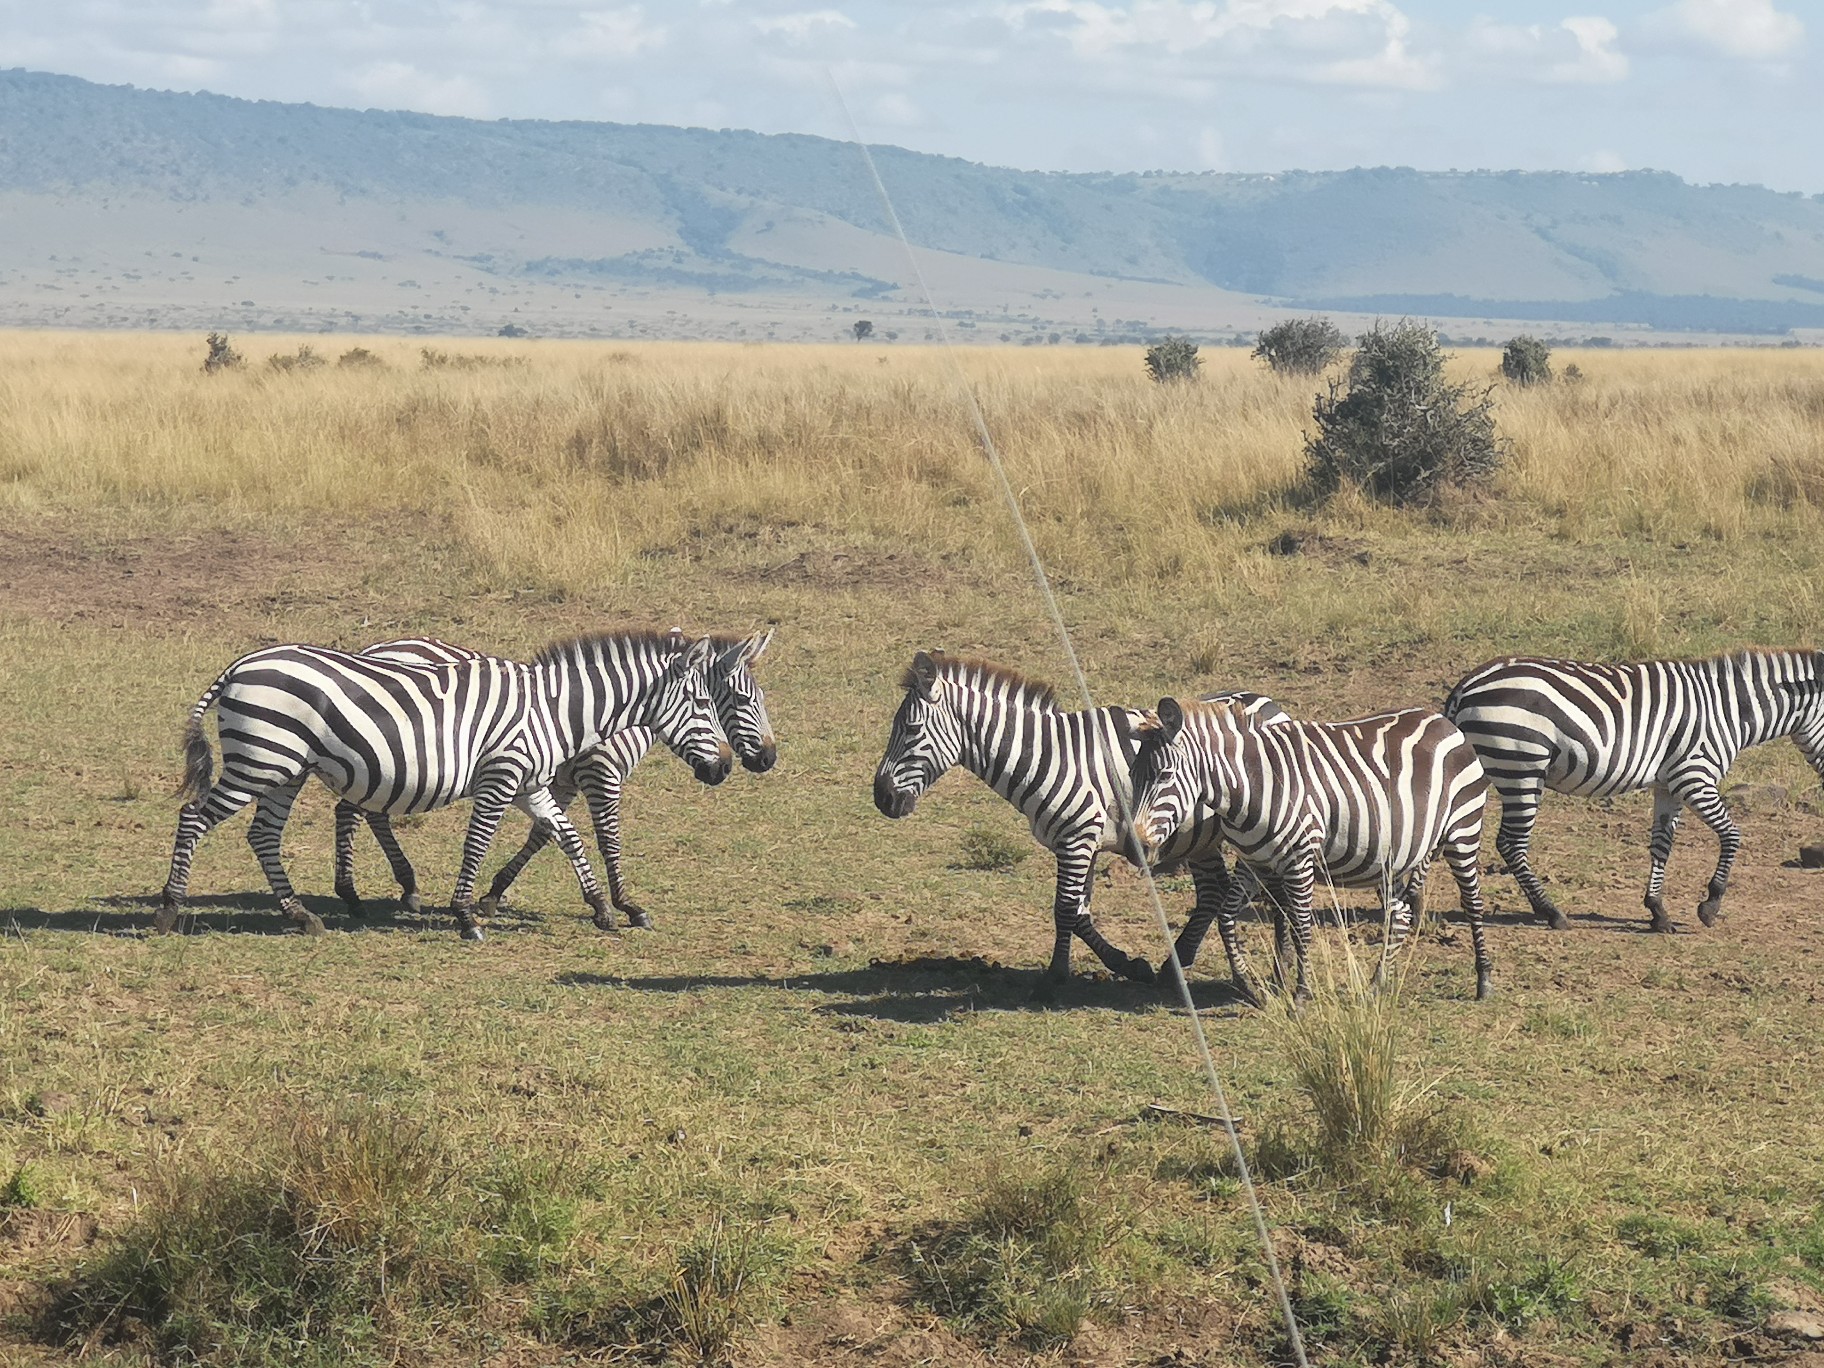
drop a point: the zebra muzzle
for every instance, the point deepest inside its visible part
(763, 759)
(713, 772)
(891, 800)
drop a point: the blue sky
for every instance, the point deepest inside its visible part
(1715, 90)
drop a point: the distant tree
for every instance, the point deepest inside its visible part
(360, 358)
(512, 330)
(1526, 361)
(305, 358)
(1300, 346)
(1395, 428)
(1173, 358)
(862, 329)
(222, 355)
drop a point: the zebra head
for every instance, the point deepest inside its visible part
(741, 705)
(1166, 777)
(681, 710)
(926, 740)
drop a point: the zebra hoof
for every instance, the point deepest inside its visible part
(1485, 988)
(1710, 911)
(604, 921)
(1556, 920)
(472, 932)
(1139, 971)
(637, 916)
(490, 904)
(412, 903)
(349, 896)
(1662, 924)
(311, 924)
(165, 918)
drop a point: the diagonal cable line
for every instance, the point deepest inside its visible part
(992, 452)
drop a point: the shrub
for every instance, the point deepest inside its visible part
(360, 358)
(1300, 346)
(1395, 428)
(347, 1236)
(1028, 1259)
(1573, 374)
(987, 849)
(222, 355)
(303, 359)
(1173, 358)
(1526, 361)
(25, 1189)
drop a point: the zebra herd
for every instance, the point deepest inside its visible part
(413, 725)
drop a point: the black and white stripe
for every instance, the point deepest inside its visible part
(398, 737)
(1674, 726)
(1368, 802)
(599, 774)
(1067, 773)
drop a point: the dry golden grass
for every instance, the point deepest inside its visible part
(795, 1084)
(572, 467)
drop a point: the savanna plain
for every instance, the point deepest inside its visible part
(820, 1114)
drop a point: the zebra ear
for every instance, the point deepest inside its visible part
(755, 646)
(924, 675)
(1148, 723)
(1171, 720)
(697, 656)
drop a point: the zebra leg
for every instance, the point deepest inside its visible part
(1462, 860)
(407, 877)
(602, 791)
(194, 821)
(1398, 917)
(1708, 804)
(348, 818)
(1298, 885)
(1070, 916)
(1519, 810)
(1210, 877)
(1666, 809)
(1241, 973)
(491, 797)
(537, 840)
(542, 808)
(265, 834)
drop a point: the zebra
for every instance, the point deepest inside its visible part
(396, 737)
(1365, 802)
(1674, 726)
(598, 774)
(1066, 772)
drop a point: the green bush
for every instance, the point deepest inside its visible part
(1174, 358)
(345, 1240)
(1395, 428)
(303, 359)
(222, 355)
(1526, 361)
(1028, 1259)
(1300, 346)
(987, 849)
(25, 1189)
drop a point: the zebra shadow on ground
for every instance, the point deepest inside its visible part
(928, 989)
(253, 914)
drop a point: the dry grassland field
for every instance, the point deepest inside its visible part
(820, 1115)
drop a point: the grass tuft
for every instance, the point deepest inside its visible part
(1030, 1259)
(348, 1246)
(987, 849)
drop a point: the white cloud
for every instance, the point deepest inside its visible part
(1335, 42)
(1750, 29)
(1603, 162)
(800, 28)
(400, 85)
(617, 34)
(1576, 51)
(1210, 150)
(895, 110)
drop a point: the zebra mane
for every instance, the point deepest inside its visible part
(662, 640)
(988, 677)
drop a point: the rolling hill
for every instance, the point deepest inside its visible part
(128, 207)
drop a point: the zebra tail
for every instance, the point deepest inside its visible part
(199, 760)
